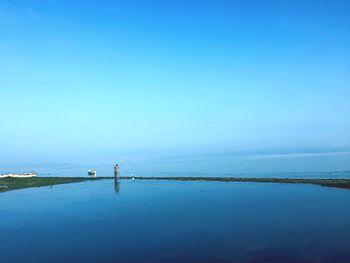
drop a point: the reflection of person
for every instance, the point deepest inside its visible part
(116, 186)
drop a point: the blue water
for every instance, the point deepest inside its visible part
(299, 165)
(172, 221)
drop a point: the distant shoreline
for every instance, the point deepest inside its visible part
(8, 184)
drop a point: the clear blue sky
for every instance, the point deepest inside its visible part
(140, 76)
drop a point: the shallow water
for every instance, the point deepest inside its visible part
(172, 221)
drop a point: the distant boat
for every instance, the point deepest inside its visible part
(18, 175)
(92, 173)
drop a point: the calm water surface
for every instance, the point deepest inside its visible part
(171, 221)
(336, 165)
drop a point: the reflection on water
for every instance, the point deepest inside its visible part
(173, 221)
(116, 185)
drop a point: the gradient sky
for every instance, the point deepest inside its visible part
(115, 77)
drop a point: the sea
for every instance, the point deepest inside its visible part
(181, 221)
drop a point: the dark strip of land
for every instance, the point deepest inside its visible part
(7, 184)
(339, 183)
